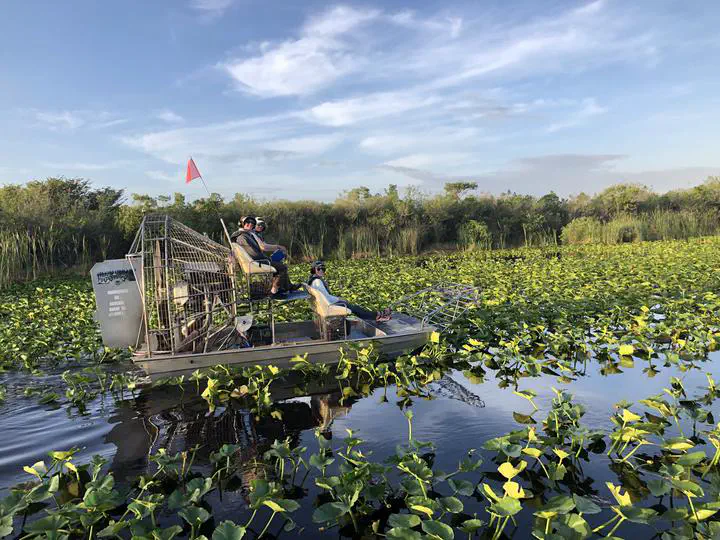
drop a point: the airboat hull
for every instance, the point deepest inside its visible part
(319, 352)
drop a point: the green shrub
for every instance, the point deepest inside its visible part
(475, 234)
(583, 230)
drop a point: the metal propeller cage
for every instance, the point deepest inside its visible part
(187, 283)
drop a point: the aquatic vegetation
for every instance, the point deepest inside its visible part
(535, 472)
(50, 320)
(653, 471)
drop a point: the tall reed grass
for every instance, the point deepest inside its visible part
(656, 225)
(30, 255)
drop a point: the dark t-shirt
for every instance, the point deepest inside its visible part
(247, 241)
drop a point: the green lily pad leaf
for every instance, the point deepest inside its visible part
(407, 521)
(329, 512)
(658, 487)
(693, 458)
(114, 528)
(317, 461)
(704, 511)
(451, 504)
(282, 505)
(402, 533)
(167, 534)
(462, 487)
(576, 525)
(6, 526)
(437, 529)
(678, 443)
(523, 418)
(637, 514)
(560, 504)
(689, 487)
(47, 524)
(507, 506)
(675, 514)
(557, 471)
(227, 530)
(471, 525)
(585, 505)
(194, 515)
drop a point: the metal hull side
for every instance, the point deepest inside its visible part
(321, 352)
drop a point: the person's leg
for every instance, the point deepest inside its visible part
(361, 311)
(282, 275)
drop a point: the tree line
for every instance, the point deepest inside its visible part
(60, 223)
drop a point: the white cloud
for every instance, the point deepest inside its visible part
(270, 138)
(162, 175)
(338, 20)
(589, 109)
(82, 166)
(74, 120)
(572, 173)
(409, 19)
(171, 117)
(309, 145)
(304, 65)
(421, 161)
(211, 8)
(59, 120)
(349, 111)
(429, 139)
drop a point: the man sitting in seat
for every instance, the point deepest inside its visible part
(278, 252)
(317, 281)
(246, 238)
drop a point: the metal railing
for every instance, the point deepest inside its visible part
(439, 305)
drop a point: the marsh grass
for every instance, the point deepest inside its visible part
(28, 255)
(656, 225)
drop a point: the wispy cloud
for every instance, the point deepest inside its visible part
(211, 9)
(270, 137)
(408, 18)
(589, 109)
(316, 59)
(82, 166)
(349, 111)
(59, 120)
(164, 176)
(166, 115)
(425, 96)
(73, 120)
(572, 173)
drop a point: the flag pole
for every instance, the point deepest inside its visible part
(227, 235)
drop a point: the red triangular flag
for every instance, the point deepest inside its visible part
(192, 171)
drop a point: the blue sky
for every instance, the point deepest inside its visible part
(307, 99)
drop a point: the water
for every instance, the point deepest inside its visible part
(461, 417)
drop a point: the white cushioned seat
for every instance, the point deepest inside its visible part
(322, 307)
(248, 265)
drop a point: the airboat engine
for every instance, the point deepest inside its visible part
(119, 303)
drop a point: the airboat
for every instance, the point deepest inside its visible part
(182, 302)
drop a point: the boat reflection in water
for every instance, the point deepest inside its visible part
(169, 418)
(177, 420)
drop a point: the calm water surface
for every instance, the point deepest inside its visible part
(462, 416)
